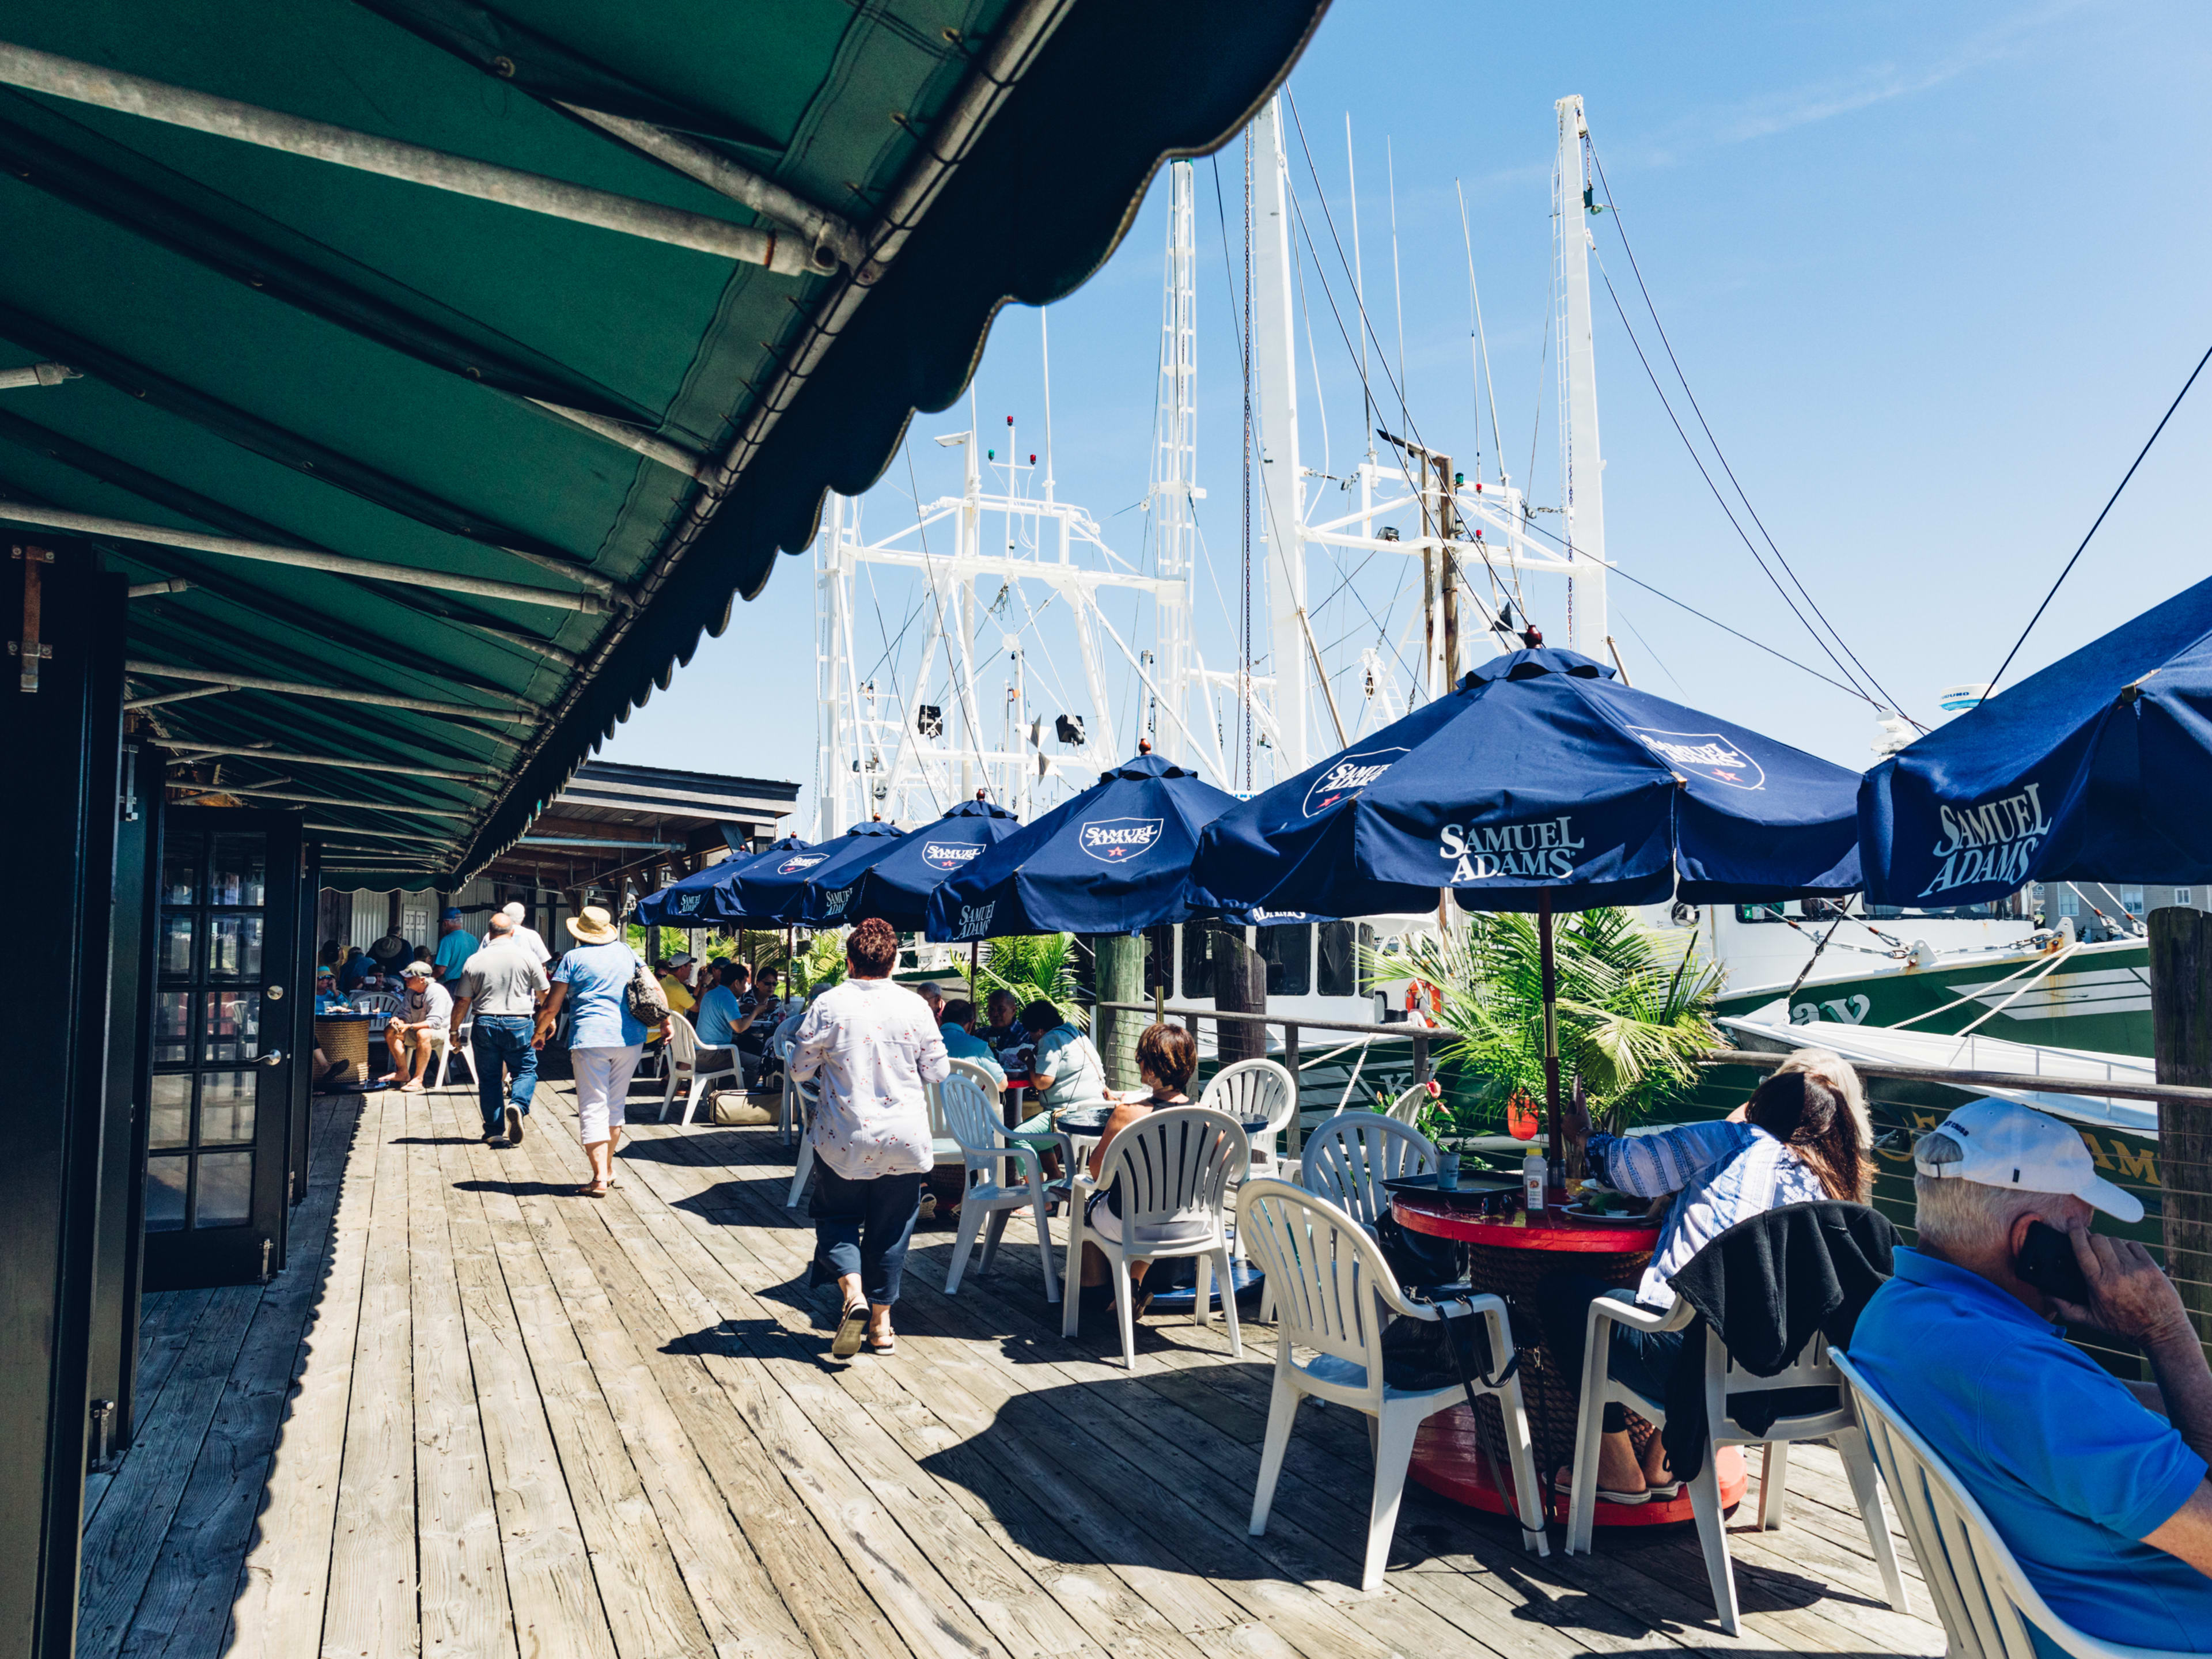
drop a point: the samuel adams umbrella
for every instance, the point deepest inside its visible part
(697, 899)
(770, 890)
(1115, 860)
(2098, 769)
(1541, 782)
(896, 887)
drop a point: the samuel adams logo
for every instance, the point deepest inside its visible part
(1117, 840)
(949, 854)
(1989, 841)
(1542, 851)
(976, 920)
(1706, 753)
(686, 904)
(1347, 777)
(834, 903)
(798, 861)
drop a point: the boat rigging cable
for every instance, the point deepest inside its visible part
(1621, 230)
(1329, 294)
(2069, 570)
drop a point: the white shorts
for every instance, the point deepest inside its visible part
(602, 1087)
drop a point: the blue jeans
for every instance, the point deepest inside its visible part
(1641, 1360)
(497, 1041)
(862, 1227)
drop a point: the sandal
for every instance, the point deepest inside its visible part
(589, 1189)
(1564, 1481)
(889, 1344)
(850, 1329)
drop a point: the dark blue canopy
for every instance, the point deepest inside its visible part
(2098, 769)
(769, 892)
(1115, 860)
(697, 900)
(1541, 772)
(896, 887)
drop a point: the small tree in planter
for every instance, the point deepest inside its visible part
(1635, 1011)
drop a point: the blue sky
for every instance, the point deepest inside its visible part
(1933, 274)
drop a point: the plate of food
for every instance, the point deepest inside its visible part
(1602, 1204)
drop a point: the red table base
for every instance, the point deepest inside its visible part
(1446, 1461)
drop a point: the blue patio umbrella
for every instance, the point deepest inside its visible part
(2097, 769)
(768, 891)
(897, 886)
(1542, 783)
(1115, 860)
(696, 899)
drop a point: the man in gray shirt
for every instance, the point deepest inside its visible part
(501, 982)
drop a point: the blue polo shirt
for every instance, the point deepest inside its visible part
(454, 950)
(2072, 1470)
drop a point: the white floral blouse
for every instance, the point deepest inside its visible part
(875, 1046)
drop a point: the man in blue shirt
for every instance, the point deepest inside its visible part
(719, 1017)
(2097, 1487)
(456, 944)
(957, 1020)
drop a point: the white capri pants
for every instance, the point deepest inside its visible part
(602, 1085)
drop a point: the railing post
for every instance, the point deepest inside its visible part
(1291, 1064)
(1420, 1056)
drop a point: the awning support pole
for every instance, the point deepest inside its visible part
(1556, 1149)
(292, 758)
(225, 680)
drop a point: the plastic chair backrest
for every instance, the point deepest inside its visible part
(1407, 1109)
(1174, 1164)
(1349, 1157)
(1983, 1596)
(960, 1104)
(1323, 1270)
(975, 1074)
(682, 1041)
(1251, 1088)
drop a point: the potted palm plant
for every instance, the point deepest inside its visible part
(1030, 966)
(1635, 1011)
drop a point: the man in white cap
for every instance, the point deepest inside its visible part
(2098, 1487)
(527, 938)
(411, 1037)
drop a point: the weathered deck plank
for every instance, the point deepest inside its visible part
(531, 1425)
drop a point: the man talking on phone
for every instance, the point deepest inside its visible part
(2098, 1487)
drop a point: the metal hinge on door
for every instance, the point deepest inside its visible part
(28, 648)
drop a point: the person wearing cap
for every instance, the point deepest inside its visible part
(456, 944)
(412, 1036)
(525, 935)
(676, 985)
(501, 984)
(2097, 1486)
(605, 1040)
(327, 1000)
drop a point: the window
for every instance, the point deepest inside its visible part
(2131, 900)
(2181, 895)
(2070, 902)
(1369, 943)
(1288, 952)
(1339, 964)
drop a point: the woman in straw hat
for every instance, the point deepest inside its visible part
(604, 1038)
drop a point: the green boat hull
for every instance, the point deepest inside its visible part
(2099, 999)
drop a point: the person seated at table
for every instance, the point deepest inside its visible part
(1066, 1070)
(763, 1009)
(358, 967)
(2097, 1487)
(933, 995)
(327, 1000)
(1002, 1026)
(676, 985)
(412, 1036)
(720, 1016)
(1799, 1145)
(957, 1020)
(1167, 1059)
(329, 1073)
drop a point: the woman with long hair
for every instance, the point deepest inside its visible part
(1798, 1142)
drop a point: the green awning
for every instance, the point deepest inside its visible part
(581, 443)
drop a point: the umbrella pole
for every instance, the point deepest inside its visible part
(1557, 1148)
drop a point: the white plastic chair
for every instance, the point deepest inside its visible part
(803, 1097)
(451, 1045)
(982, 1079)
(684, 1070)
(1981, 1594)
(973, 1119)
(1334, 1294)
(1349, 1157)
(1256, 1088)
(1815, 1369)
(1175, 1165)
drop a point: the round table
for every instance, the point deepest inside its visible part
(1511, 1254)
(343, 1038)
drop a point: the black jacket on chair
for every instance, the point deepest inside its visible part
(1767, 1285)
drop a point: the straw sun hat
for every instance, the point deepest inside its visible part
(592, 926)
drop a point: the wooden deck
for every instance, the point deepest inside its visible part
(479, 1416)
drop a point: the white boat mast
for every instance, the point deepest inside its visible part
(1175, 492)
(1581, 468)
(1274, 364)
